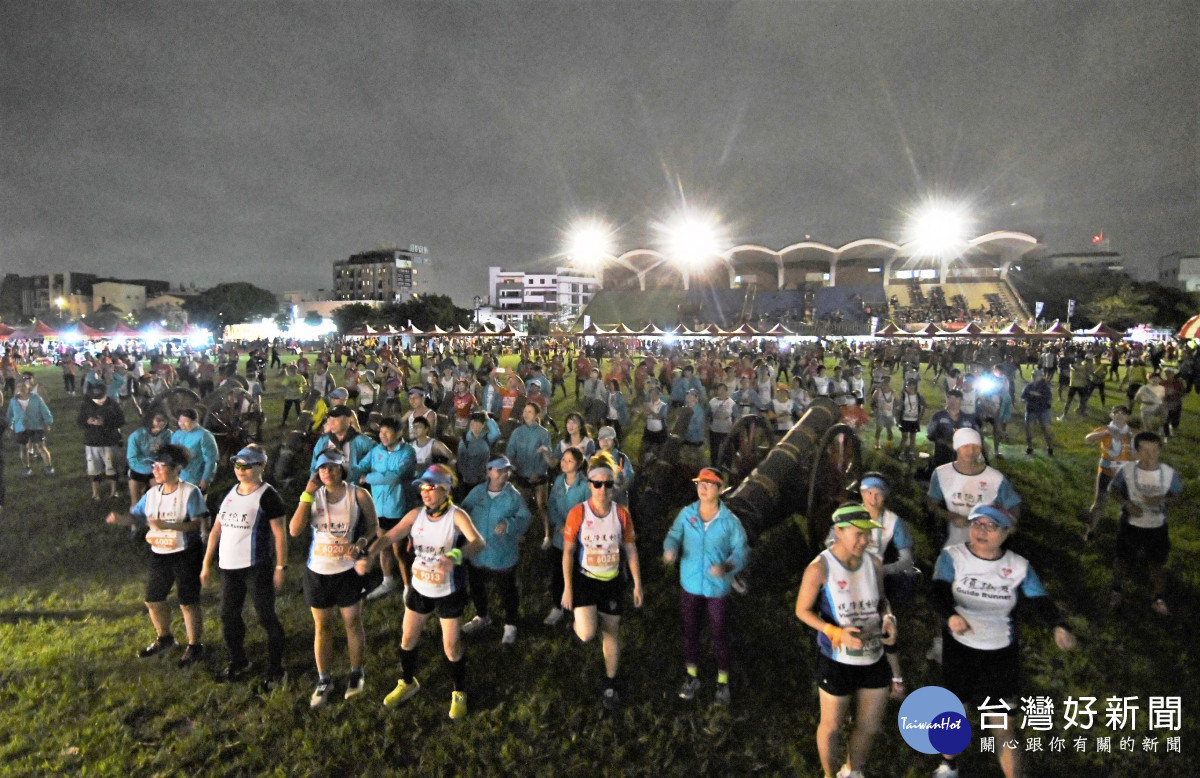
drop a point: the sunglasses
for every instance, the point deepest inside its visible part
(242, 466)
(430, 487)
(602, 484)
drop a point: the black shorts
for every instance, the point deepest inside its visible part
(182, 569)
(30, 436)
(522, 482)
(449, 607)
(1077, 391)
(1154, 543)
(608, 597)
(141, 478)
(911, 427)
(386, 524)
(842, 680)
(975, 674)
(340, 590)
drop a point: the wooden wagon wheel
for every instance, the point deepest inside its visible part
(837, 467)
(747, 444)
(172, 401)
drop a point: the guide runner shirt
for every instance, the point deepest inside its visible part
(985, 593)
(184, 504)
(246, 538)
(599, 538)
(962, 492)
(850, 598)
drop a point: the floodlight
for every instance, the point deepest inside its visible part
(589, 244)
(692, 239)
(939, 230)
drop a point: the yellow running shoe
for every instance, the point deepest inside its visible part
(458, 705)
(404, 690)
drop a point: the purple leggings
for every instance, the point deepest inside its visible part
(692, 607)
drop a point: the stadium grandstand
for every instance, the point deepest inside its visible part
(812, 286)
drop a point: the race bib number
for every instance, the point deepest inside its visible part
(334, 550)
(601, 560)
(429, 576)
(167, 541)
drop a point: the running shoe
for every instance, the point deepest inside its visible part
(458, 705)
(28, 472)
(1159, 606)
(611, 699)
(162, 643)
(945, 771)
(355, 684)
(723, 697)
(510, 634)
(477, 624)
(553, 617)
(320, 695)
(233, 672)
(48, 470)
(846, 772)
(691, 685)
(404, 689)
(191, 655)
(383, 590)
(272, 680)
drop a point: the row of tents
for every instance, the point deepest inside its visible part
(78, 331)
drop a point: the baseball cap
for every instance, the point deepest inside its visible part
(331, 456)
(606, 433)
(341, 393)
(854, 515)
(435, 475)
(340, 412)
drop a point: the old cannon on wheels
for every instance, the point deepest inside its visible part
(810, 471)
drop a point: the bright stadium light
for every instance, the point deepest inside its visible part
(939, 230)
(589, 244)
(692, 240)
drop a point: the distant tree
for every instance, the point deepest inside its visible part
(538, 325)
(313, 318)
(424, 312)
(283, 320)
(1172, 306)
(1121, 309)
(351, 317)
(10, 298)
(106, 317)
(234, 303)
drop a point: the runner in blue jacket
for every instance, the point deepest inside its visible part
(710, 543)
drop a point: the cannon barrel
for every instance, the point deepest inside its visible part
(778, 487)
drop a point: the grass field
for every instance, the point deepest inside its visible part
(74, 699)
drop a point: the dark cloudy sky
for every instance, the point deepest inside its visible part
(259, 141)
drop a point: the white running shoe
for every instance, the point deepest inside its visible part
(510, 634)
(553, 617)
(477, 624)
(945, 771)
(383, 590)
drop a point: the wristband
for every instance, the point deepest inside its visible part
(455, 554)
(306, 497)
(281, 567)
(834, 633)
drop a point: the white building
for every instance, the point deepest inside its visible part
(1189, 272)
(516, 296)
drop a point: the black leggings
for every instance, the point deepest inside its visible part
(260, 580)
(506, 582)
(287, 406)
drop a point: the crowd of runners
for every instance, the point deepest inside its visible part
(436, 469)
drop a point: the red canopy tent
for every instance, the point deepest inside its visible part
(1191, 328)
(5, 331)
(889, 330)
(781, 331)
(1102, 330)
(1056, 330)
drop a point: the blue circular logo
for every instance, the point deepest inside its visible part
(933, 720)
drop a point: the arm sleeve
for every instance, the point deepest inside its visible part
(272, 505)
(139, 511)
(196, 507)
(208, 450)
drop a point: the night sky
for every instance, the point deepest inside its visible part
(208, 142)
